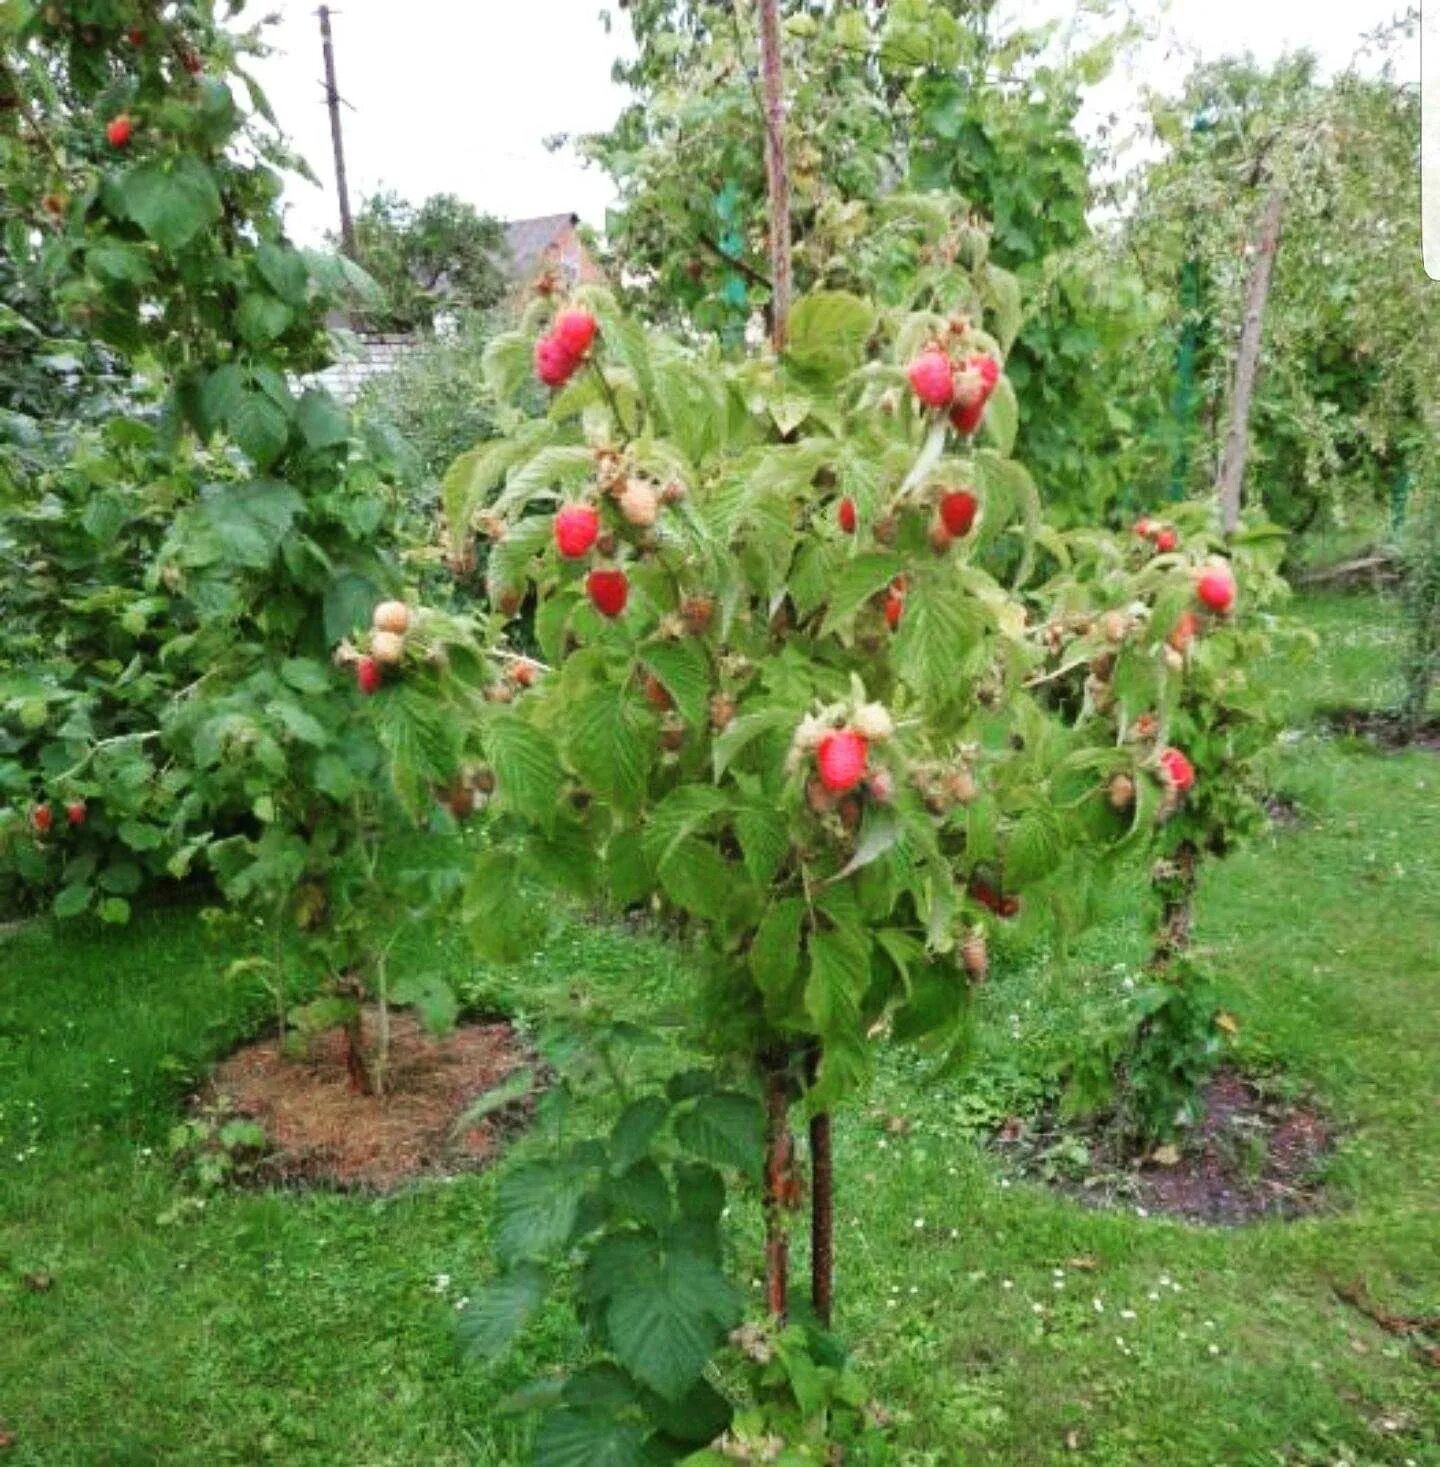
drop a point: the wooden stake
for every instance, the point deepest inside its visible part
(777, 171)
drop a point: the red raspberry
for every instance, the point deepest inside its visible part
(1166, 540)
(368, 676)
(75, 812)
(1177, 771)
(608, 590)
(574, 330)
(973, 385)
(1216, 589)
(932, 378)
(957, 510)
(894, 609)
(42, 817)
(841, 758)
(119, 132)
(846, 515)
(554, 363)
(577, 527)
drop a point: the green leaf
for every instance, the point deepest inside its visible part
(858, 580)
(422, 742)
(528, 776)
(70, 901)
(636, 1128)
(571, 1438)
(1002, 418)
(431, 997)
(839, 976)
(829, 330)
(666, 1323)
(497, 1313)
(171, 201)
(775, 952)
(681, 814)
(248, 521)
(611, 744)
(321, 420)
(684, 670)
(535, 1208)
(642, 1193)
(283, 270)
(261, 427)
(498, 910)
(262, 317)
(725, 1127)
(764, 838)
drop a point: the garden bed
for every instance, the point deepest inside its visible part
(449, 1108)
(1383, 729)
(1253, 1157)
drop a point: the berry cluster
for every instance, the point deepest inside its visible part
(562, 350)
(961, 389)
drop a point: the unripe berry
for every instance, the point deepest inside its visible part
(391, 616)
(1122, 792)
(76, 812)
(722, 711)
(42, 817)
(976, 956)
(697, 613)
(523, 672)
(639, 504)
(1183, 632)
(656, 694)
(1115, 625)
(940, 538)
(387, 648)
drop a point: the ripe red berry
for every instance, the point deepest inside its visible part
(42, 817)
(973, 385)
(1177, 770)
(1216, 589)
(1166, 540)
(841, 759)
(119, 131)
(932, 378)
(577, 527)
(894, 609)
(574, 330)
(192, 62)
(135, 35)
(554, 363)
(608, 590)
(368, 676)
(845, 513)
(957, 510)
(76, 812)
(1144, 527)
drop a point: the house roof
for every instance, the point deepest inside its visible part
(530, 238)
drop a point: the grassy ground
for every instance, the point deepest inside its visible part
(998, 1323)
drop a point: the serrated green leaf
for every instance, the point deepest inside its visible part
(587, 1438)
(684, 670)
(725, 1127)
(171, 201)
(535, 1208)
(497, 1313)
(611, 744)
(829, 330)
(528, 776)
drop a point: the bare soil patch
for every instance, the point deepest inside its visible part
(323, 1132)
(1383, 729)
(1253, 1157)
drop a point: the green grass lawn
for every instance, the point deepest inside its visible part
(997, 1322)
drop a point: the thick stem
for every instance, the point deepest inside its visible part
(778, 1155)
(1247, 363)
(381, 1066)
(822, 1208)
(1173, 938)
(777, 171)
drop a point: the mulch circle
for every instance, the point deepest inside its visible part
(1252, 1158)
(1383, 729)
(324, 1133)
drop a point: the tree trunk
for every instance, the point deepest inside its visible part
(777, 171)
(1247, 362)
(822, 1218)
(778, 1183)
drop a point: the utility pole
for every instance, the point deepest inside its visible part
(332, 101)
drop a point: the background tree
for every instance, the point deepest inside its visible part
(440, 256)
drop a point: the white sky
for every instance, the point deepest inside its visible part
(458, 95)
